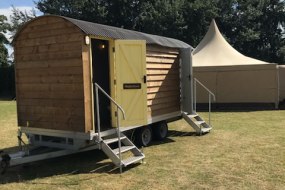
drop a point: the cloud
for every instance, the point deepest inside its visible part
(8, 11)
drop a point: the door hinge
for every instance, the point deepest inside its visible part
(113, 49)
(144, 79)
(116, 113)
(115, 82)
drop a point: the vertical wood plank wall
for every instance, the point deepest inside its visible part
(49, 75)
(163, 80)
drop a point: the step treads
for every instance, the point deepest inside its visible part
(132, 160)
(112, 140)
(123, 149)
(199, 122)
(192, 115)
(206, 129)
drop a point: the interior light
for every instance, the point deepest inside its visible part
(102, 46)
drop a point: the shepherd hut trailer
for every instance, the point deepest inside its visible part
(81, 84)
(231, 76)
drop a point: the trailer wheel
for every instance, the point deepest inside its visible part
(143, 136)
(160, 130)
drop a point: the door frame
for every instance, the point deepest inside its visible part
(111, 78)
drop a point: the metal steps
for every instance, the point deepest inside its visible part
(198, 124)
(132, 160)
(112, 140)
(127, 146)
(123, 149)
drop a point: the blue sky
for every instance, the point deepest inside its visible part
(23, 3)
(6, 6)
(6, 9)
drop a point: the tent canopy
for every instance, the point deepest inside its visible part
(214, 50)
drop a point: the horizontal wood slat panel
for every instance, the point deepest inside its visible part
(49, 48)
(68, 62)
(67, 79)
(164, 111)
(49, 75)
(163, 100)
(49, 71)
(74, 37)
(161, 49)
(49, 88)
(163, 106)
(163, 80)
(151, 96)
(161, 66)
(160, 83)
(53, 95)
(50, 56)
(79, 111)
(52, 117)
(160, 60)
(51, 103)
(161, 55)
(162, 77)
(162, 72)
(48, 33)
(163, 89)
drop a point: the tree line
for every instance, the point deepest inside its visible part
(253, 27)
(250, 26)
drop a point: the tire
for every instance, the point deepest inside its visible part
(160, 130)
(143, 136)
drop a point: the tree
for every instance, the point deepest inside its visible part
(4, 26)
(162, 17)
(251, 26)
(89, 10)
(18, 18)
(198, 15)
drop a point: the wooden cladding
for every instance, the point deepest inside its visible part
(49, 75)
(163, 80)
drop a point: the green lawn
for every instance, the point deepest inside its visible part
(245, 150)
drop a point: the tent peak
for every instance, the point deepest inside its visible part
(214, 50)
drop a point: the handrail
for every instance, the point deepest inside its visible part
(97, 87)
(211, 94)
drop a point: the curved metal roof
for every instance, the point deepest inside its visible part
(101, 30)
(120, 33)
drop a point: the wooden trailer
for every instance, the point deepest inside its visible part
(71, 74)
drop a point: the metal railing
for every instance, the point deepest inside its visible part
(211, 94)
(118, 107)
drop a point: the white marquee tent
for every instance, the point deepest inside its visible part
(230, 75)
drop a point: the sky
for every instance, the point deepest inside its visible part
(6, 6)
(23, 5)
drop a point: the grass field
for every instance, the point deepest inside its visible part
(246, 150)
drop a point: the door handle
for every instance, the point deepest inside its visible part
(144, 78)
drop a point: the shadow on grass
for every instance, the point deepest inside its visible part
(94, 161)
(174, 133)
(89, 162)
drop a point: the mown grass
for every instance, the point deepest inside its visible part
(246, 150)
